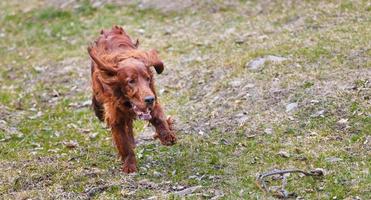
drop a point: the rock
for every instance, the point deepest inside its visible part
(239, 40)
(249, 86)
(268, 131)
(187, 191)
(141, 31)
(313, 134)
(97, 4)
(242, 118)
(342, 124)
(333, 159)
(342, 121)
(318, 172)
(71, 144)
(201, 132)
(314, 101)
(291, 106)
(82, 104)
(93, 135)
(235, 83)
(284, 154)
(256, 64)
(157, 174)
(147, 184)
(318, 114)
(367, 141)
(165, 5)
(259, 62)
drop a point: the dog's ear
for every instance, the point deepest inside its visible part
(108, 80)
(152, 59)
(109, 68)
(149, 58)
(104, 84)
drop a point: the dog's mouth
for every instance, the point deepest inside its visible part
(142, 115)
(146, 115)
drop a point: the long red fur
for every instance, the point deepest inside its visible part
(112, 47)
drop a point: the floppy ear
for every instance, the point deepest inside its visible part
(152, 59)
(105, 85)
(108, 80)
(149, 58)
(104, 66)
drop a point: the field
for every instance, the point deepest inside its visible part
(253, 86)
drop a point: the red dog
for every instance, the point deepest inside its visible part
(123, 90)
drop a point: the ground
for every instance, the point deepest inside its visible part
(254, 86)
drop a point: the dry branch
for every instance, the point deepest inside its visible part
(261, 183)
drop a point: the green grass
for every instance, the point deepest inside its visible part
(44, 78)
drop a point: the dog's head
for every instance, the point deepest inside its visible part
(128, 76)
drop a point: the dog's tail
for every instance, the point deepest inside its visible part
(98, 109)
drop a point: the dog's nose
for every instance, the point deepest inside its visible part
(149, 100)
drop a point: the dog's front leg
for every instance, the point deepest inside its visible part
(124, 140)
(163, 126)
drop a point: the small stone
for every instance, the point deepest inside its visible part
(93, 135)
(86, 103)
(157, 174)
(256, 64)
(141, 31)
(314, 101)
(291, 106)
(313, 134)
(342, 121)
(318, 114)
(249, 86)
(333, 159)
(367, 140)
(71, 144)
(187, 191)
(97, 4)
(284, 154)
(235, 83)
(239, 41)
(241, 118)
(263, 37)
(268, 131)
(167, 31)
(318, 171)
(259, 62)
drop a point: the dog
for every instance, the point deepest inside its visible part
(124, 90)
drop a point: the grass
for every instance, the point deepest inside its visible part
(44, 79)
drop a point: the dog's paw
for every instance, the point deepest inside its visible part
(166, 139)
(129, 165)
(129, 168)
(170, 122)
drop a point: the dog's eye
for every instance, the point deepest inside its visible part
(132, 81)
(148, 79)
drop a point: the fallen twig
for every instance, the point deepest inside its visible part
(261, 183)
